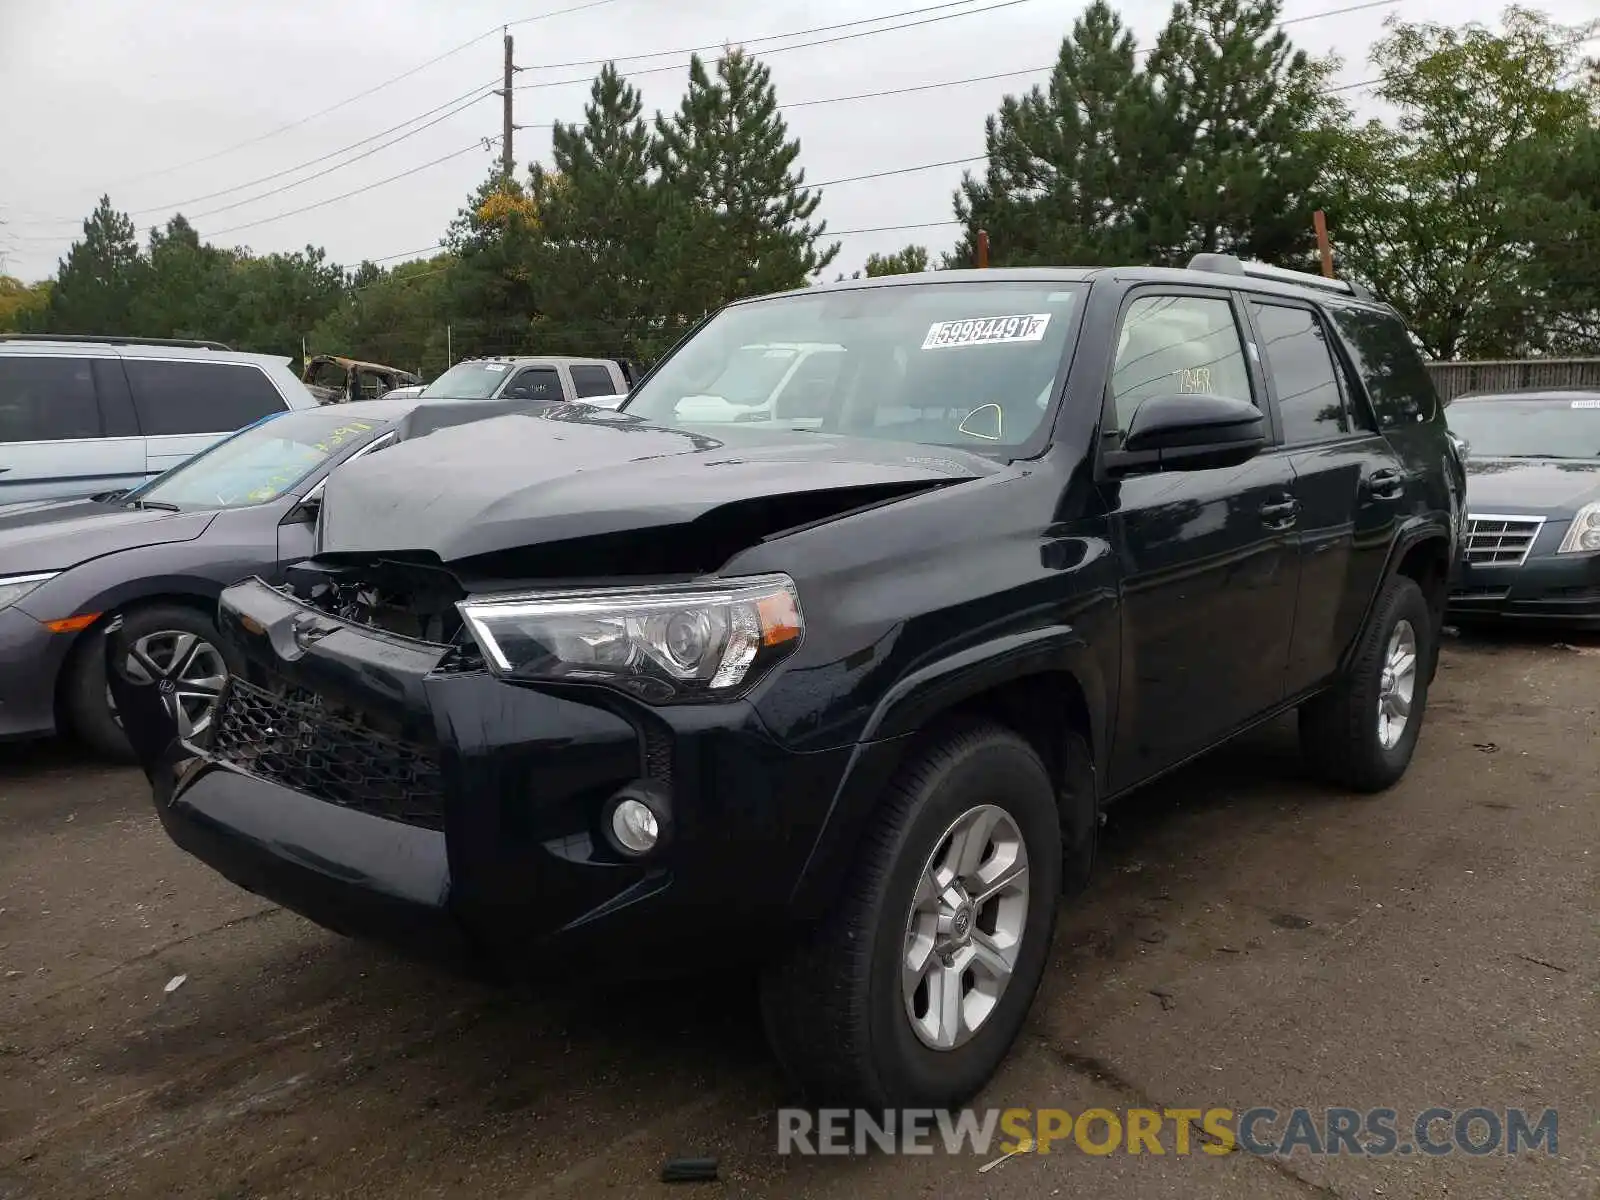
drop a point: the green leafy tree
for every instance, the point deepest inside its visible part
(1559, 222)
(274, 301)
(491, 290)
(908, 261)
(22, 306)
(1239, 122)
(185, 286)
(394, 316)
(737, 214)
(1065, 161)
(599, 268)
(99, 282)
(1462, 212)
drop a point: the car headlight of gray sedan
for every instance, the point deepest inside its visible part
(15, 587)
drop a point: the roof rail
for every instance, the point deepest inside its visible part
(1228, 264)
(112, 341)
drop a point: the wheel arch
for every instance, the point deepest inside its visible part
(1422, 554)
(1043, 685)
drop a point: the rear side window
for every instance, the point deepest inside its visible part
(593, 381)
(47, 400)
(535, 383)
(1392, 371)
(1302, 368)
(198, 397)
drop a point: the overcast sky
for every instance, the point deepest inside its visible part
(110, 96)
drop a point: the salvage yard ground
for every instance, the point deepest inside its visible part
(1253, 940)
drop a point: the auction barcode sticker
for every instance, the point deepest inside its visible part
(983, 331)
(1586, 403)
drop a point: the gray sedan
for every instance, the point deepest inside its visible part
(162, 553)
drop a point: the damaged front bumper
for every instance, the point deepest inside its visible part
(383, 789)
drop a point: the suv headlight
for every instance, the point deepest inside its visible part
(700, 641)
(1584, 532)
(15, 587)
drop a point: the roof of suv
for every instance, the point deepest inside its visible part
(565, 360)
(154, 348)
(1212, 269)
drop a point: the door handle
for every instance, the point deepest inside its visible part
(1386, 484)
(1280, 514)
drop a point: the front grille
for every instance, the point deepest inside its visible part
(1494, 541)
(290, 740)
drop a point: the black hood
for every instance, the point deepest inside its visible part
(571, 472)
(50, 535)
(1557, 487)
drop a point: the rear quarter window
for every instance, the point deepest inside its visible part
(1391, 369)
(181, 397)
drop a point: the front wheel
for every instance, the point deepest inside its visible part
(916, 987)
(1362, 734)
(171, 645)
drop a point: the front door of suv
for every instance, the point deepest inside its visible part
(1348, 483)
(1208, 558)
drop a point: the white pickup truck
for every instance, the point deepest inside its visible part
(574, 380)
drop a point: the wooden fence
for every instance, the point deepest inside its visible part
(1513, 375)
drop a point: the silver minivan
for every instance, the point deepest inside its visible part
(80, 416)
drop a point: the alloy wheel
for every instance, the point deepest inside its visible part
(1397, 685)
(189, 672)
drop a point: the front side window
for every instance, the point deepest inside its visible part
(536, 383)
(971, 365)
(198, 397)
(47, 399)
(261, 463)
(1174, 345)
(1297, 352)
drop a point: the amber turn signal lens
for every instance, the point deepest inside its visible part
(780, 620)
(72, 624)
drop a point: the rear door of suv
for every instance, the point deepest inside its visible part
(66, 427)
(1348, 482)
(185, 405)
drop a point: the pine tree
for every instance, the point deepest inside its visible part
(738, 214)
(185, 284)
(1065, 169)
(99, 280)
(908, 261)
(1237, 111)
(598, 272)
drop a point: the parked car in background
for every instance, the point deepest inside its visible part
(161, 553)
(551, 380)
(1533, 507)
(335, 380)
(79, 416)
(403, 393)
(846, 698)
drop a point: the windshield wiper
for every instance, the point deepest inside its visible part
(160, 505)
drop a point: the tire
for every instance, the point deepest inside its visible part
(836, 1010)
(89, 713)
(1340, 729)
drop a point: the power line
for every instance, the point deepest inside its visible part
(362, 95)
(481, 143)
(770, 37)
(828, 41)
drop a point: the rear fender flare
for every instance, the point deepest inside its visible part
(1412, 534)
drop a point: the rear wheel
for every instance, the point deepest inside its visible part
(1362, 734)
(172, 645)
(915, 988)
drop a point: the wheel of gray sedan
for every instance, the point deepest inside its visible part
(1362, 734)
(173, 645)
(916, 987)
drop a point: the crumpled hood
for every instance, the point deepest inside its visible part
(1512, 485)
(572, 471)
(51, 535)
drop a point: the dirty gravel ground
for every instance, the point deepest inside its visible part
(1253, 940)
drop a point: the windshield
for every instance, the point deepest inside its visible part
(1554, 427)
(469, 381)
(947, 364)
(259, 463)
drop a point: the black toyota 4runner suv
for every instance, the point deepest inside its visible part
(839, 675)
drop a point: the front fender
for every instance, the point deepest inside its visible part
(916, 700)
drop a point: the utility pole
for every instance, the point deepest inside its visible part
(508, 162)
(1319, 222)
(983, 247)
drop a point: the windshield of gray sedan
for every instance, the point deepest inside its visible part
(972, 365)
(259, 463)
(1559, 427)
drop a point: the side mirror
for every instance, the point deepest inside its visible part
(1189, 432)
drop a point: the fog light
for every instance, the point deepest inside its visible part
(635, 826)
